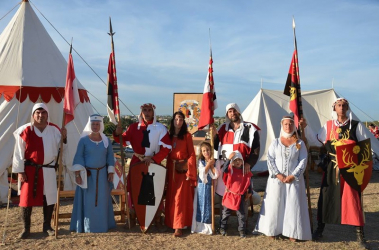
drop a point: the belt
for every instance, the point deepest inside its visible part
(97, 180)
(227, 190)
(37, 166)
(139, 156)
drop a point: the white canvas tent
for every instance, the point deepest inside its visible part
(269, 106)
(32, 69)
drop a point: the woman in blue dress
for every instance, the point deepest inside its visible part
(94, 169)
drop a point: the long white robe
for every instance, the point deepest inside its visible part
(284, 208)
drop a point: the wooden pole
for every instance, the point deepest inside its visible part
(111, 33)
(59, 179)
(300, 107)
(213, 182)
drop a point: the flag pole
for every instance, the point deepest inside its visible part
(60, 166)
(212, 144)
(111, 33)
(300, 105)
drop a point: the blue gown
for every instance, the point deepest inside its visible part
(86, 216)
(202, 204)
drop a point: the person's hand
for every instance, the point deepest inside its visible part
(22, 177)
(231, 155)
(110, 177)
(118, 130)
(64, 133)
(289, 179)
(281, 177)
(247, 167)
(78, 179)
(148, 160)
(212, 130)
(211, 163)
(303, 122)
(248, 196)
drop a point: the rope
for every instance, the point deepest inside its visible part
(80, 58)
(372, 119)
(10, 11)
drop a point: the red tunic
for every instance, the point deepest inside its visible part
(158, 141)
(237, 184)
(351, 206)
(34, 151)
(180, 192)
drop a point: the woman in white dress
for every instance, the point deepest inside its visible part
(284, 209)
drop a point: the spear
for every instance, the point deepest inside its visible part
(293, 87)
(113, 94)
(208, 105)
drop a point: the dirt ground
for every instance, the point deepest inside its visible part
(335, 236)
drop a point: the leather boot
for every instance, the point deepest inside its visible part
(361, 237)
(47, 214)
(26, 213)
(318, 233)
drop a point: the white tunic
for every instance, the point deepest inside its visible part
(284, 208)
(50, 139)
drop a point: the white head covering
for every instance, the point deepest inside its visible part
(237, 155)
(230, 106)
(282, 132)
(39, 106)
(140, 118)
(87, 129)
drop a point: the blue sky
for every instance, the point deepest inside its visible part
(162, 47)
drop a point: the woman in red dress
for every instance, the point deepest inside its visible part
(181, 176)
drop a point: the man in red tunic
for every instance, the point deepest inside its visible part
(338, 203)
(36, 151)
(236, 134)
(148, 138)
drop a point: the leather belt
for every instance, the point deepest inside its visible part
(37, 166)
(97, 181)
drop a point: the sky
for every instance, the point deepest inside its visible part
(162, 47)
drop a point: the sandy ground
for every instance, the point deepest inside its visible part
(335, 236)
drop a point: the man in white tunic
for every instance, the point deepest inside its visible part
(35, 155)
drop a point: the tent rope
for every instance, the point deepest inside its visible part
(80, 58)
(372, 119)
(10, 11)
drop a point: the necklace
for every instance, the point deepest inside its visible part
(175, 139)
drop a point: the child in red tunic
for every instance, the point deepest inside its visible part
(237, 191)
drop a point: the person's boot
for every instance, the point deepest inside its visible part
(361, 237)
(47, 214)
(317, 235)
(26, 213)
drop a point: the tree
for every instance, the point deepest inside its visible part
(109, 127)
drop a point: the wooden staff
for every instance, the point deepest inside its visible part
(213, 181)
(59, 178)
(111, 33)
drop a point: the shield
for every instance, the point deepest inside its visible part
(355, 163)
(147, 186)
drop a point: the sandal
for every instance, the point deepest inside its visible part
(178, 233)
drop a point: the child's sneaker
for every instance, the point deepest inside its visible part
(242, 234)
(222, 232)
